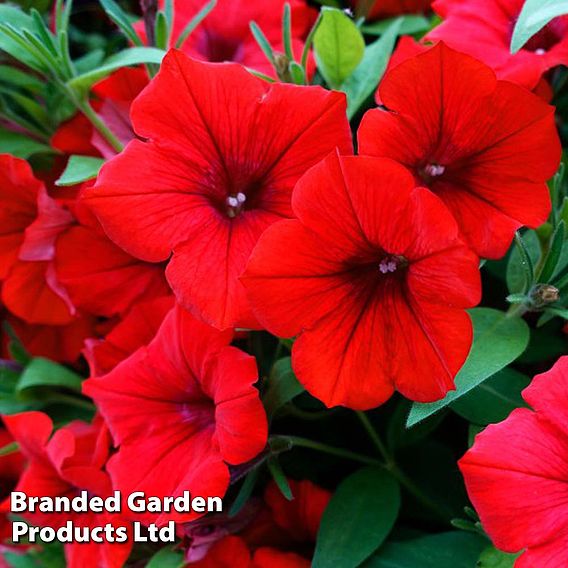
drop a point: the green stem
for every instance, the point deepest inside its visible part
(106, 132)
(517, 310)
(375, 438)
(391, 466)
(331, 450)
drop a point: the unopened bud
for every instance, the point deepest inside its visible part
(543, 294)
(282, 65)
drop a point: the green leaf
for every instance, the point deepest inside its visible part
(358, 519)
(364, 80)
(534, 16)
(339, 46)
(125, 58)
(19, 21)
(494, 399)
(194, 22)
(515, 270)
(263, 42)
(20, 145)
(9, 449)
(244, 492)
(444, 550)
(553, 255)
(43, 372)
(279, 477)
(167, 557)
(121, 19)
(79, 169)
(162, 31)
(493, 558)
(17, 78)
(498, 341)
(283, 386)
(410, 24)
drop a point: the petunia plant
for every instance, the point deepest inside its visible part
(284, 283)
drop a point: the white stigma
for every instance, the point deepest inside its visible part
(386, 266)
(540, 51)
(434, 170)
(232, 201)
(241, 198)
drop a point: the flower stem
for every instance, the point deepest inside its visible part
(331, 450)
(86, 108)
(391, 466)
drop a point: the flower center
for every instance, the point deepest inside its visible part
(391, 263)
(234, 204)
(430, 172)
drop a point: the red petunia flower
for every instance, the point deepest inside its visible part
(66, 463)
(375, 280)
(485, 147)
(516, 474)
(181, 410)
(389, 8)
(483, 29)
(225, 35)
(222, 155)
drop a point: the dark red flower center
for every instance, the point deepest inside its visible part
(217, 48)
(200, 413)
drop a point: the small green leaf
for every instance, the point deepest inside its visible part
(494, 399)
(410, 24)
(283, 386)
(516, 267)
(279, 477)
(263, 42)
(125, 58)
(244, 492)
(553, 255)
(167, 557)
(297, 73)
(80, 169)
(364, 80)
(20, 145)
(9, 449)
(194, 22)
(43, 372)
(493, 558)
(443, 550)
(498, 341)
(534, 16)
(339, 46)
(358, 519)
(122, 20)
(162, 32)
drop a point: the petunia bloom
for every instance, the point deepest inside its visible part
(516, 474)
(483, 29)
(64, 464)
(222, 154)
(373, 278)
(485, 147)
(181, 410)
(225, 35)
